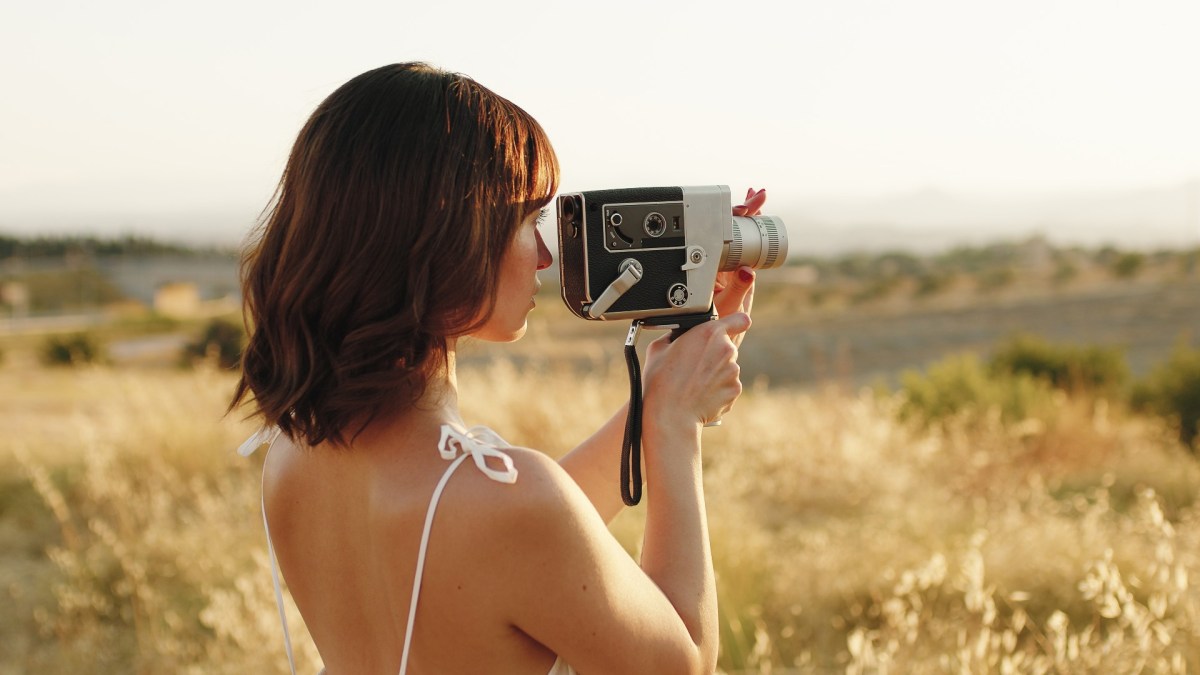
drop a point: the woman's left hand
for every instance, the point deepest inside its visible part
(734, 291)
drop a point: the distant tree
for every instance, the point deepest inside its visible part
(1065, 272)
(895, 263)
(1189, 262)
(932, 283)
(996, 278)
(1128, 265)
(72, 350)
(221, 340)
(63, 245)
(973, 260)
(1106, 256)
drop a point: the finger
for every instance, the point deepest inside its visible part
(739, 210)
(731, 290)
(735, 324)
(749, 193)
(755, 202)
(748, 294)
(733, 297)
(748, 298)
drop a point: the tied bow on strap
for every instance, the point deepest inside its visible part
(264, 436)
(480, 443)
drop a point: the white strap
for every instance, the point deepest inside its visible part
(266, 436)
(416, 591)
(287, 637)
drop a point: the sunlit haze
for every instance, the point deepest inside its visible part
(1072, 118)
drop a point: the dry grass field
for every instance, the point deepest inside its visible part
(845, 539)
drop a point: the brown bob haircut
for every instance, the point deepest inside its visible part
(383, 243)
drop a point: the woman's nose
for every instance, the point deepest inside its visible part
(544, 258)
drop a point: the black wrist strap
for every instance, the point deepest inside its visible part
(631, 448)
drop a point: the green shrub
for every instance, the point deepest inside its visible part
(996, 279)
(1064, 273)
(932, 283)
(72, 350)
(1189, 262)
(1172, 389)
(876, 289)
(1069, 367)
(961, 385)
(221, 339)
(1128, 265)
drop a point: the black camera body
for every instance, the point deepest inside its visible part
(650, 252)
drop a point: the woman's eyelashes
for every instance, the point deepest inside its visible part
(543, 216)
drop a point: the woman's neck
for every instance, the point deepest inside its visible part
(437, 405)
(440, 399)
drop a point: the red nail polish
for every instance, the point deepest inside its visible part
(745, 275)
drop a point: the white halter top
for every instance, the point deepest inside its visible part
(479, 443)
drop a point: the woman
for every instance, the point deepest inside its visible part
(406, 219)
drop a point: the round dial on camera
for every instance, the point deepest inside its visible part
(655, 224)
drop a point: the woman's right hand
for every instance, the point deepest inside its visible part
(694, 379)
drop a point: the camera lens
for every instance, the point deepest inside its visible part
(567, 208)
(760, 242)
(655, 224)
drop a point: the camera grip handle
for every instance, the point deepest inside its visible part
(684, 326)
(631, 447)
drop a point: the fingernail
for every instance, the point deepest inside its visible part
(745, 274)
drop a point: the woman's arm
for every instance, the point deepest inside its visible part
(575, 590)
(595, 466)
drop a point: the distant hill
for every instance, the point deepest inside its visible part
(932, 220)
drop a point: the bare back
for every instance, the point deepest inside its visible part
(347, 524)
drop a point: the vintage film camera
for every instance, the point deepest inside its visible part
(653, 253)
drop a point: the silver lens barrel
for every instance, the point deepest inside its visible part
(759, 242)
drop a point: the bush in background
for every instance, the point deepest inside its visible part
(1173, 390)
(72, 350)
(1128, 265)
(221, 340)
(1068, 367)
(960, 385)
(996, 279)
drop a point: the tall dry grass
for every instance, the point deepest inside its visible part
(845, 539)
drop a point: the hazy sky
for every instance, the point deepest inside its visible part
(123, 114)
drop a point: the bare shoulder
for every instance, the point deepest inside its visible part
(543, 494)
(543, 521)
